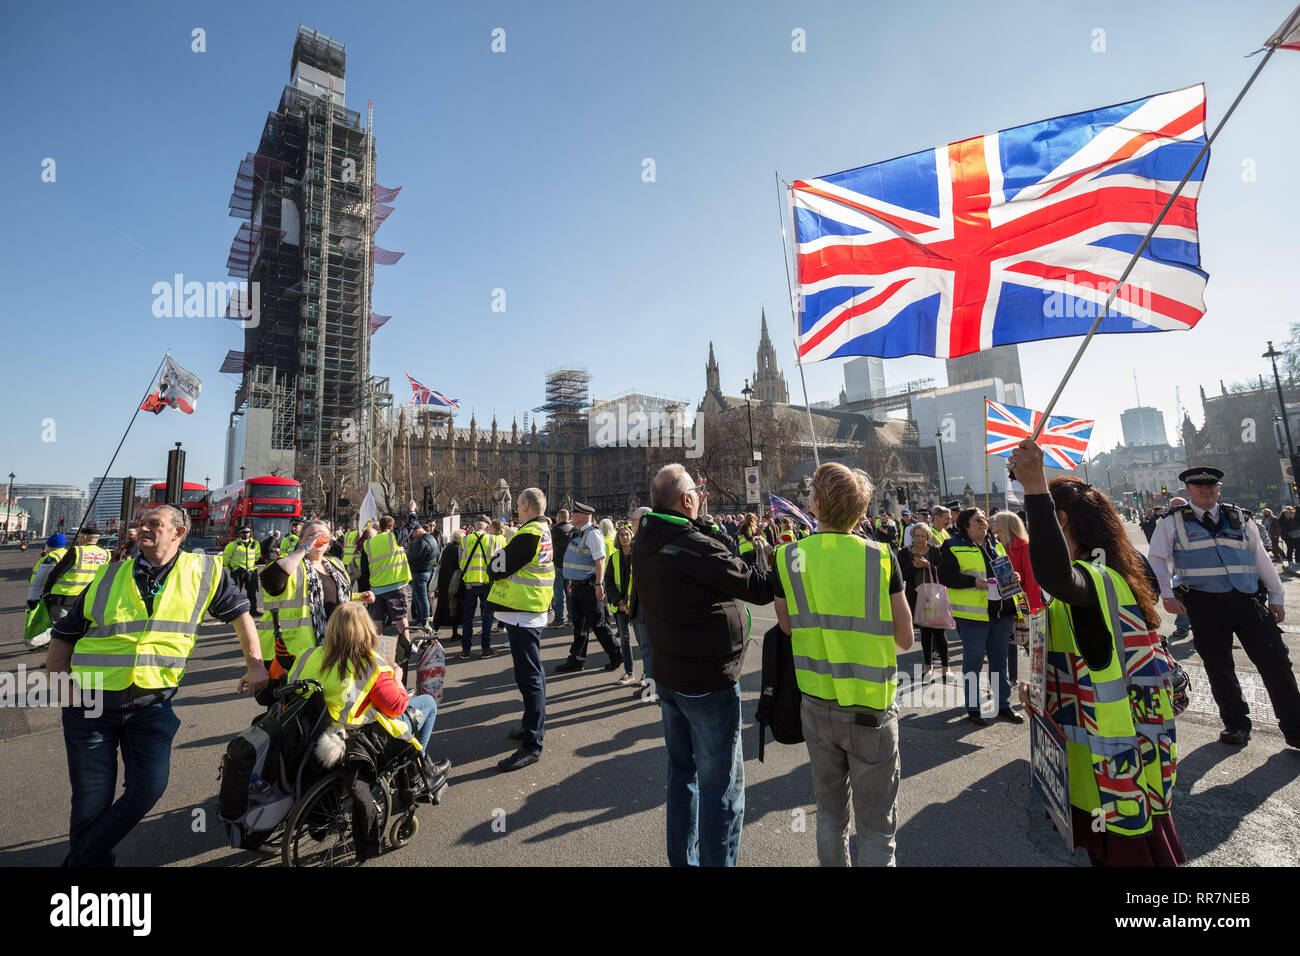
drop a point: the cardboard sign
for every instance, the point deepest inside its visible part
(1037, 645)
(1049, 769)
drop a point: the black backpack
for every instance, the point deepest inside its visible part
(779, 698)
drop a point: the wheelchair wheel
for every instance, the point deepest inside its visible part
(318, 831)
(402, 830)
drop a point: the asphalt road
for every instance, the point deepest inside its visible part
(596, 797)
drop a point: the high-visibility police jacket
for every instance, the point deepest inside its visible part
(1118, 721)
(386, 560)
(841, 620)
(476, 550)
(344, 696)
(349, 547)
(293, 606)
(1217, 562)
(288, 544)
(579, 563)
(240, 554)
(532, 586)
(971, 603)
(124, 644)
(88, 559)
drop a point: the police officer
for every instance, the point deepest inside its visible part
(76, 568)
(1210, 555)
(127, 639)
(584, 570)
(290, 543)
(240, 558)
(523, 578)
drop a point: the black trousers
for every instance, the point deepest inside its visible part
(589, 614)
(246, 580)
(1214, 620)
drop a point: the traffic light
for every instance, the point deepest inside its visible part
(1164, 490)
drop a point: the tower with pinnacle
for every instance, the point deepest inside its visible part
(769, 383)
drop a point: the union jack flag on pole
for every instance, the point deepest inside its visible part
(423, 395)
(1014, 236)
(1063, 439)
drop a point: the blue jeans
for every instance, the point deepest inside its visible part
(420, 611)
(475, 594)
(706, 777)
(526, 649)
(557, 600)
(1182, 623)
(145, 735)
(426, 705)
(643, 642)
(980, 639)
(623, 623)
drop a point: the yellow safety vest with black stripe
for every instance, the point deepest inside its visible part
(343, 695)
(532, 586)
(349, 547)
(239, 555)
(971, 603)
(616, 565)
(385, 560)
(88, 559)
(293, 606)
(937, 537)
(124, 644)
(1118, 721)
(475, 557)
(288, 544)
(841, 620)
(54, 557)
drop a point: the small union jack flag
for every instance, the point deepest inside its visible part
(423, 395)
(1064, 440)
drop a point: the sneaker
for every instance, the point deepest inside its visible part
(645, 682)
(487, 652)
(465, 655)
(626, 679)
(517, 760)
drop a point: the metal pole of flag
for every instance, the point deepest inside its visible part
(91, 507)
(1146, 240)
(794, 318)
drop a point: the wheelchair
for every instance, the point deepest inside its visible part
(318, 828)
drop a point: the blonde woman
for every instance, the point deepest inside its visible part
(845, 640)
(620, 589)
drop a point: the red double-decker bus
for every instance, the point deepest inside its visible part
(266, 504)
(194, 499)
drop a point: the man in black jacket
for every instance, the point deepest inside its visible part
(422, 556)
(690, 589)
(561, 532)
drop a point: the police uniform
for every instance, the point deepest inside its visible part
(240, 557)
(585, 549)
(1215, 563)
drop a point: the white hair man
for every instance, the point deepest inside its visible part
(691, 589)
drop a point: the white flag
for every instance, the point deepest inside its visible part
(369, 512)
(1288, 34)
(179, 387)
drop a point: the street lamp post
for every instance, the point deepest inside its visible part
(1272, 354)
(749, 408)
(943, 468)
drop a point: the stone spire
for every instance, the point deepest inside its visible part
(769, 383)
(712, 377)
(514, 431)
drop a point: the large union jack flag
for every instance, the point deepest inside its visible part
(1063, 440)
(423, 395)
(1014, 236)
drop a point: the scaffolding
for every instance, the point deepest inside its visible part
(566, 398)
(306, 197)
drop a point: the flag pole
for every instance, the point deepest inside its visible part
(986, 455)
(91, 507)
(1146, 240)
(794, 319)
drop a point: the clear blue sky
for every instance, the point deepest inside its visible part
(522, 171)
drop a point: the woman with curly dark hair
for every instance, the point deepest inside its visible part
(1108, 678)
